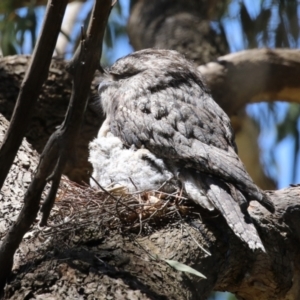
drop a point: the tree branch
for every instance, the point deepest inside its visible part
(62, 141)
(50, 110)
(31, 85)
(95, 258)
(231, 267)
(230, 78)
(253, 76)
(186, 24)
(12, 5)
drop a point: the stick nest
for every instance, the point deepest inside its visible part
(116, 208)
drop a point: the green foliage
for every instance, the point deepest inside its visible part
(275, 25)
(13, 28)
(6, 5)
(271, 24)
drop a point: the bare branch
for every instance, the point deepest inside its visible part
(31, 86)
(236, 71)
(62, 142)
(254, 76)
(86, 224)
(4, 5)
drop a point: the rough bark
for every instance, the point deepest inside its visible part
(107, 262)
(17, 181)
(253, 76)
(50, 109)
(179, 25)
(219, 75)
(98, 262)
(62, 141)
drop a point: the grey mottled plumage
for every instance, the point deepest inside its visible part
(156, 99)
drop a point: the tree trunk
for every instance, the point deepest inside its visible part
(182, 25)
(50, 110)
(83, 255)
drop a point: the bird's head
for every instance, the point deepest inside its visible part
(145, 71)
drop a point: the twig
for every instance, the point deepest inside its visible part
(133, 183)
(202, 248)
(150, 255)
(111, 195)
(62, 141)
(160, 209)
(34, 78)
(31, 86)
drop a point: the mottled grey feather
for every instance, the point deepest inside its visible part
(156, 99)
(238, 220)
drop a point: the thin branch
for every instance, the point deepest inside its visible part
(62, 142)
(31, 86)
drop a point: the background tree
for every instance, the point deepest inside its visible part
(268, 24)
(240, 25)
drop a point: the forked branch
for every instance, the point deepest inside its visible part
(62, 142)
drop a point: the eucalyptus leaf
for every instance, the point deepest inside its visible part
(183, 268)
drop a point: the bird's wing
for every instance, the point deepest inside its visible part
(189, 133)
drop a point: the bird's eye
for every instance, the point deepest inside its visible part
(124, 74)
(117, 77)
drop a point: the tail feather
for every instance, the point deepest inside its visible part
(212, 193)
(239, 221)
